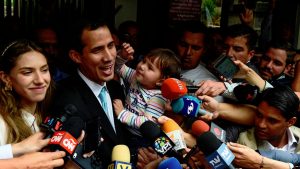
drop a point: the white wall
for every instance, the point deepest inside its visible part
(127, 12)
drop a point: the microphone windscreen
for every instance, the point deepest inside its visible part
(69, 110)
(170, 163)
(199, 127)
(169, 126)
(186, 105)
(172, 88)
(74, 125)
(120, 153)
(208, 143)
(150, 130)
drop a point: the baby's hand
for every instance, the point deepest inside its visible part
(126, 52)
(118, 106)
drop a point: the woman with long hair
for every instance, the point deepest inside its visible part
(25, 89)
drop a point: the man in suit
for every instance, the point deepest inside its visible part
(92, 49)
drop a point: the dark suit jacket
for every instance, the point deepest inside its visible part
(74, 90)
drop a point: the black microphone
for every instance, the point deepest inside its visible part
(161, 143)
(52, 124)
(65, 139)
(63, 132)
(216, 153)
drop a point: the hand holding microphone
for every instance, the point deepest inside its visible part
(161, 143)
(63, 132)
(216, 153)
(189, 106)
(32, 143)
(175, 133)
(65, 140)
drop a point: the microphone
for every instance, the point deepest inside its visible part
(218, 131)
(188, 106)
(199, 127)
(120, 158)
(170, 163)
(174, 132)
(66, 141)
(173, 88)
(63, 131)
(52, 124)
(161, 143)
(280, 155)
(216, 153)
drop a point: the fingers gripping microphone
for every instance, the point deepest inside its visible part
(172, 88)
(64, 140)
(63, 132)
(174, 132)
(120, 158)
(170, 163)
(216, 153)
(189, 106)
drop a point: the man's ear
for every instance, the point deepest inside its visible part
(288, 67)
(292, 121)
(251, 54)
(75, 56)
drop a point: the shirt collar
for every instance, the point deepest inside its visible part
(95, 87)
(290, 146)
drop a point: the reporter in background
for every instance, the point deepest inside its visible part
(239, 44)
(25, 89)
(273, 121)
(191, 48)
(296, 80)
(271, 69)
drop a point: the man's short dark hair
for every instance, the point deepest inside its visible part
(279, 44)
(246, 31)
(194, 27)
(75, 41)
(282, 97)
